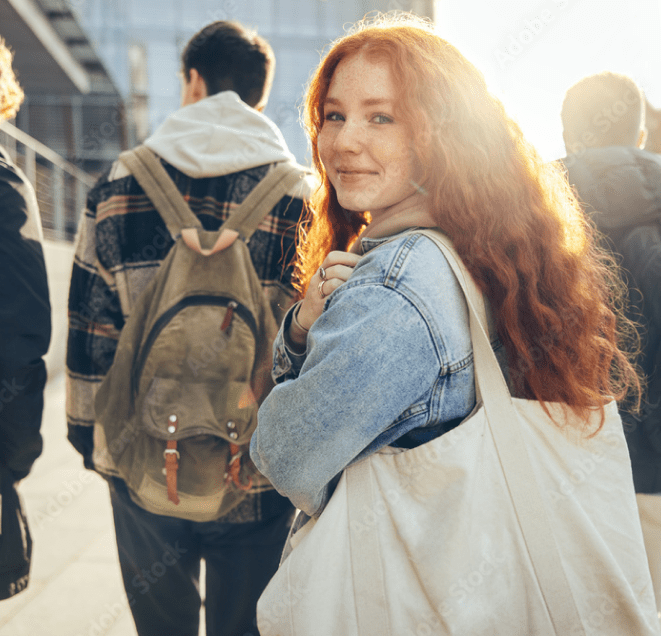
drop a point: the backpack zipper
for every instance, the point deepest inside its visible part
(190, 301)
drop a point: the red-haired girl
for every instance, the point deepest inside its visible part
(406, 135)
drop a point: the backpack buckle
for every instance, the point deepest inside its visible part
(169, 451)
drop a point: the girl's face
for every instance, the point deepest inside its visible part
(364, 144)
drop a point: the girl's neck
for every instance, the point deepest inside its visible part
(389, 224)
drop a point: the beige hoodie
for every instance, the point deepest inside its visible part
(216, 136)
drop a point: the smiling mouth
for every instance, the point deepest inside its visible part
(350, 175)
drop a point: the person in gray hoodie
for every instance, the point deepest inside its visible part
(619, 185)
(217, 147)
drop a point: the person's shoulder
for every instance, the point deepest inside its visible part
(306, 185)
(614, 157)
(117, 171)
(413, 270)
(8, 169)
(422, 256)
(103, 190)
(404, 258)
(20, 211)
(12, 179)
(303, 182)
(641, 240)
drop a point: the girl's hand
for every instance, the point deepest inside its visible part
(334, 271)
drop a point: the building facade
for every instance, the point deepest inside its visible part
(72, 120)
(100, 75)
(141, 42)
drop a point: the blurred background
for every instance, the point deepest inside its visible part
(101, 75)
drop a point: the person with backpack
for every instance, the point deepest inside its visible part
(182, 274)
(619, 185)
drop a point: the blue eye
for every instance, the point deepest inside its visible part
(382, 119)
(333, 116)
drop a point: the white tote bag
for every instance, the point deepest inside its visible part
(508, 525)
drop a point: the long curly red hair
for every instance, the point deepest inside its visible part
(512, 217)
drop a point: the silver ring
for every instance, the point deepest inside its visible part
(321, 289)
(322, 273)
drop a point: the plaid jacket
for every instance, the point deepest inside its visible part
(121, 243)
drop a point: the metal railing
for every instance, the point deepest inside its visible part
(60, 186)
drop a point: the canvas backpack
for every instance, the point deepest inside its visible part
(179, 403)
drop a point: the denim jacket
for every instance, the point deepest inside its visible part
(388, 362)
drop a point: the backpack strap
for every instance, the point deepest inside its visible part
(152, 177)
(180, 219)
(263, 198)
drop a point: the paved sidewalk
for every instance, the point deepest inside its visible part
(75, 585)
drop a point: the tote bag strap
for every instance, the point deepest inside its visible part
(366, 555)
(506, 430)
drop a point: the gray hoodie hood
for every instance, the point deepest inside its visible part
(216, 136)
(619, 186)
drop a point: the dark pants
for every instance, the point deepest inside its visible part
(160, 561)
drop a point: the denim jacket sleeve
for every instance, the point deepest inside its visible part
(390, 355)
(286, 362)
(352, 386)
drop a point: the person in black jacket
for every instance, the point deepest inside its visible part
(619, 185)
(25, 330)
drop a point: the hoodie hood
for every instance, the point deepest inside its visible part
(618, 186)
(218, 135)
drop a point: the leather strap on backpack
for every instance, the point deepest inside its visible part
(232, 476)
(171, 456)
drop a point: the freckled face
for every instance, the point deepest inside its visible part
(363, 143)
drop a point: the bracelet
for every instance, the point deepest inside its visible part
(294, 319)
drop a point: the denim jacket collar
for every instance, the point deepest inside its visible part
(368, 243)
